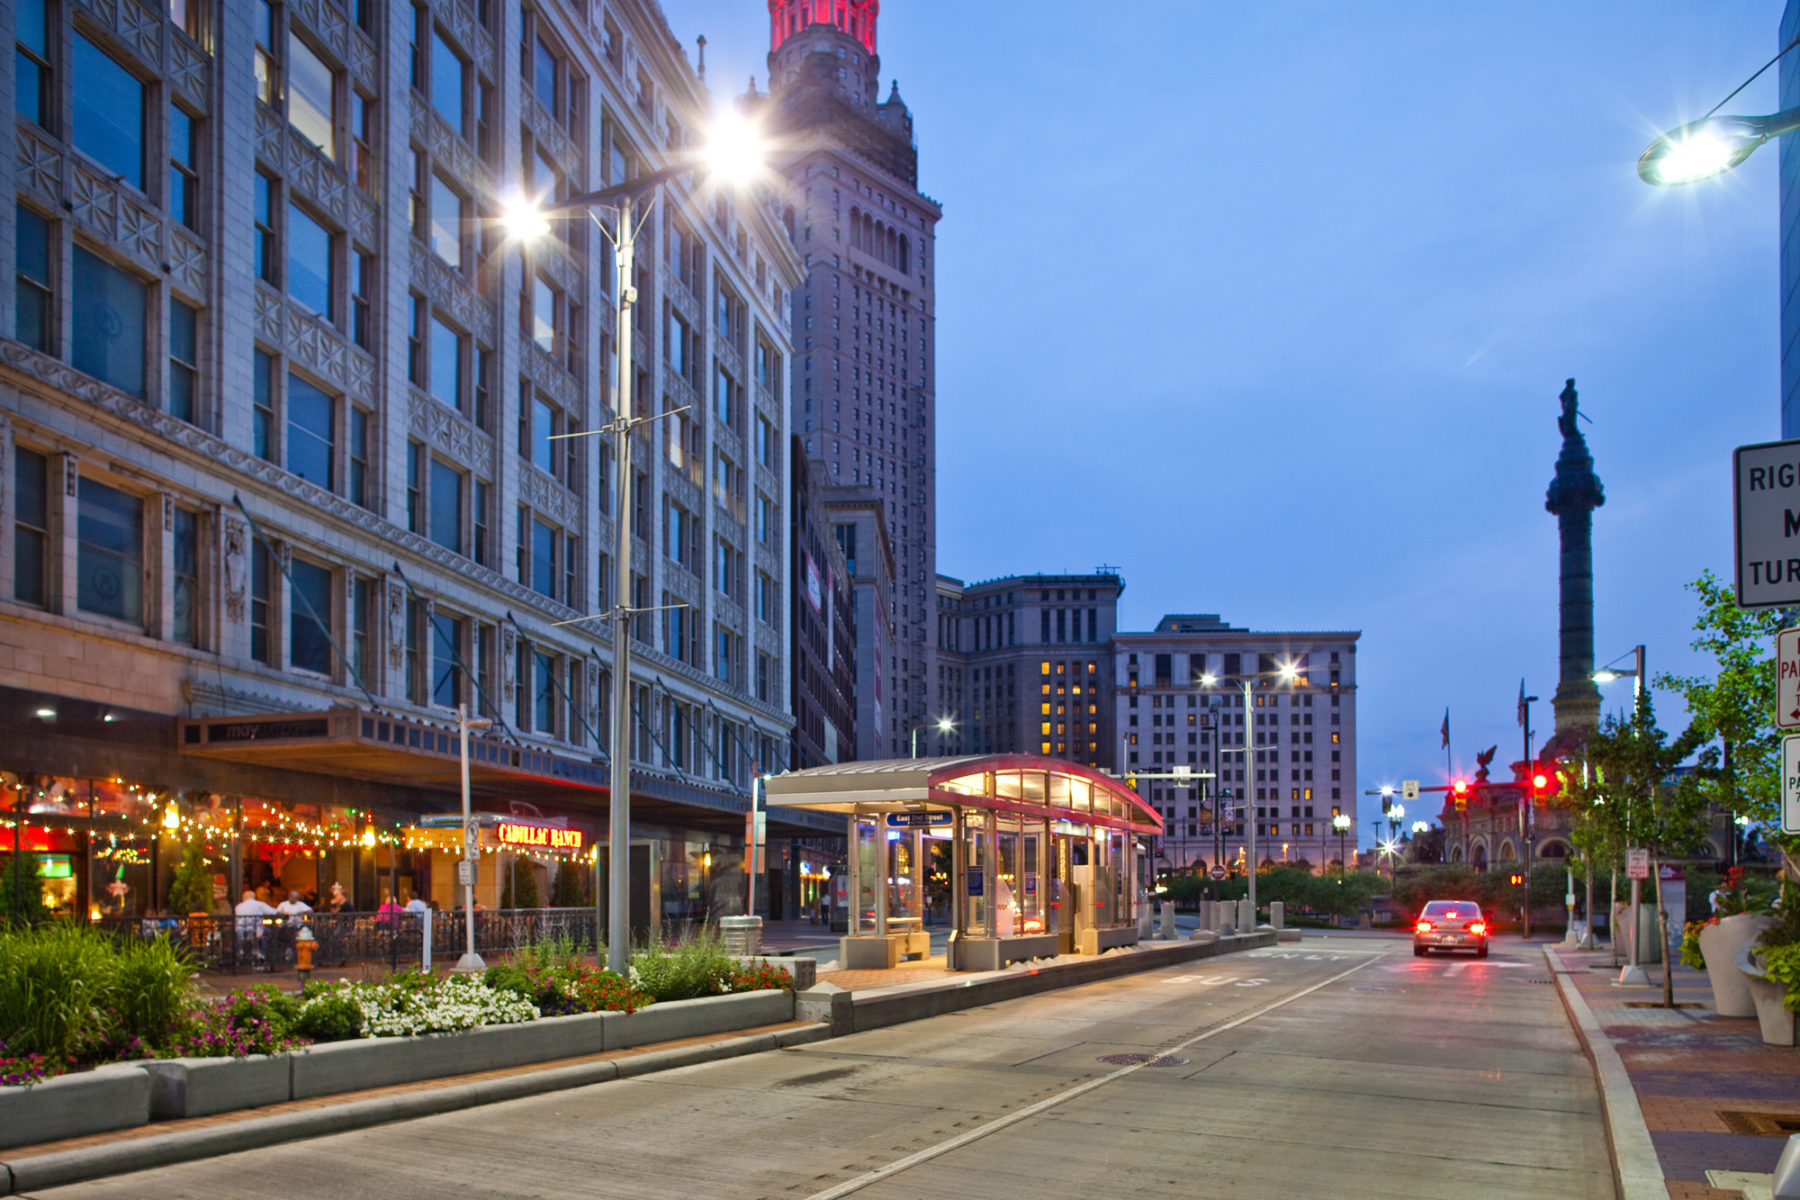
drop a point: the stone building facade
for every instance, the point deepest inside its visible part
(283, 417)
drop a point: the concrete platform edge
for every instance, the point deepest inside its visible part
(878, 1011)
(1637, 1172)
(73, 1166)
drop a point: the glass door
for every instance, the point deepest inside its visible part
(977, 884)
(866, 862)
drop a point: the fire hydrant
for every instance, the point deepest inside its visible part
(304, 945)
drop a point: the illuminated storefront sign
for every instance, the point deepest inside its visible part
(538, 837)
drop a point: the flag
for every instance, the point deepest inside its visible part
(1445, 731)
(1524, 709)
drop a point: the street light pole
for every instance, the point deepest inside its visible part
(470, 961)
(618, 837)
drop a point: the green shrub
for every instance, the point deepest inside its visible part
(149, 988)
(568, 888)
(191, 891)
(330, 1017)
(520, 889)
(696, 966)
(1782, 964)
(54, 983)
(21, 895)
(254, 1020)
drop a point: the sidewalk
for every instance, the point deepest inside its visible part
(1712, 1096)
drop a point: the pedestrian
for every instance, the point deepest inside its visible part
(337, 901)
(251, 913)
(293, 907)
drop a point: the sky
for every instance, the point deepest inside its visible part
(1268, 307)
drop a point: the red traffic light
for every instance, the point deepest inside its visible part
(1540, 781)
(1459, 791)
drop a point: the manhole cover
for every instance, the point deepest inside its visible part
(1759, 1124)
(1381, 990)
(1147, 1060)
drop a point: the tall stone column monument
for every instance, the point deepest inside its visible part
(1574, 494)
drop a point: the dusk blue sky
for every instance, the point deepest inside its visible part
(1268, 306)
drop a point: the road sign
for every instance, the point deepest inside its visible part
(1637, 864)
(1790, 785)
(918, 820)
(1787, 679)
(465, 874)
(471, 840)
(1766, 492)
(1409, 789)
(1218, 872)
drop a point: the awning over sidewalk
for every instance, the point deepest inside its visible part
(398, 750)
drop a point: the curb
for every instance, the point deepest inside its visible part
(1637, 1172)
(139, 1154)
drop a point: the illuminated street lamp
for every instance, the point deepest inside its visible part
(733, 156)
(944, 726)
(1341, 823)
(1713, 144)
(1286, 674)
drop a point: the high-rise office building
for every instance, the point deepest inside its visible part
(863, 393)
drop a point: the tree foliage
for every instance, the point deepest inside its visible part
(191, 890)
(1737, 706)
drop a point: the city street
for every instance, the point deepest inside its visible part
(1335, 1066)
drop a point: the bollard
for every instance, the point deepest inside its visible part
(1246, 916)
(1206, 914)
(1168, 920)
(1277, 909)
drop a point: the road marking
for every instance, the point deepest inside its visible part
(1081, 1089)
(1465, 964)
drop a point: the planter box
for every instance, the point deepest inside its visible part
(1719, 946)
(673, 1019)
(197, 1087)
(110, 1097)
(379, 1062)
(1780, 1025)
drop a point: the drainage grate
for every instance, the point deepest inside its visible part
(1659, 1004)
(1537, 981)
(1758, 1124)
(1147, 1060)
(1381, 990)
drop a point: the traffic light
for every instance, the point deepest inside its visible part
(1459, 791)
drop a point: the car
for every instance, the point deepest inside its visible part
(1451, 925)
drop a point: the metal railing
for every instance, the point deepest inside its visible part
(235, 945)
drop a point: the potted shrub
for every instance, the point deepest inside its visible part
(1733, 924)
(1771, 967)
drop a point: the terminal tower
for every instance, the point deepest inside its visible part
(864, 398)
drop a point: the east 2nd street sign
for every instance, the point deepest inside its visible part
(1766, 493)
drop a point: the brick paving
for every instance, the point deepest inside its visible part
(1687, 1067)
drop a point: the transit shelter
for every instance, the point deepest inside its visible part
(1032, 856)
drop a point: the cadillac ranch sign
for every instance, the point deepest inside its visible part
(535, 836)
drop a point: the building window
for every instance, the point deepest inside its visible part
(262, 401)
(184, 623)
(32, 76)
(446, 673)
(266, 75)
(362, 140)
(266, 256)
(311, 433)
(184, 359)
(310, 617)
(33, 323)
(479, 503)
(543, 693)
(545, 298)
(543, 558)
(312, 96)
(110, 553)
(108, 113)
(415, 486)
(311, 263)
(184, 168)
(449, 82)
(31, 528)
(447, 215)
(260, 571)
(723, 653)
(446, 500)
(448, 353)
(108, 327)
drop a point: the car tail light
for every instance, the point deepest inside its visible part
(1425, 927)
(1478, 927)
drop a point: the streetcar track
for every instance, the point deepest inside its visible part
(918, 1158)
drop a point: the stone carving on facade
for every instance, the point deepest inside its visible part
(187, 69)
(396, 624)
(40, 165)
(234, 552)
(71, 474)
(509, 664)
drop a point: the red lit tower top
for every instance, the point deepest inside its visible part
(852, 18)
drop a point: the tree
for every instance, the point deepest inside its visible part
(1737, 706)
(21, 895)
(568, 889)
(520, 889)
(1629, 793)
(191, 890)
(1427, 847)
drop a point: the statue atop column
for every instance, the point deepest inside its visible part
(1574, 494)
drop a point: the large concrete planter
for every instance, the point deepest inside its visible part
(106, 1098)
(198, 1087)
(1719, 946)
(1780, 1024)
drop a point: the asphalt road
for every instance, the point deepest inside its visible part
(1338, 1067)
